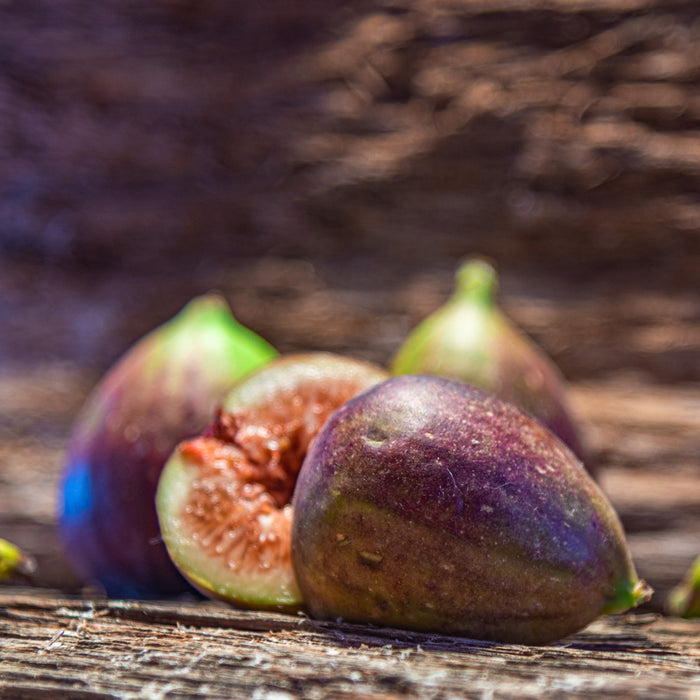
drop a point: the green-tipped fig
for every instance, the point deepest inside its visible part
(684, 600)
(470, 339)
(163, 390)
(13, 561)
(223, 499)
(427, 504)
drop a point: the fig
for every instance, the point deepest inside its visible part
(684, 599)
(14, 561)
(470, 339)
(163, 390)
(430, 505)
(223, 499)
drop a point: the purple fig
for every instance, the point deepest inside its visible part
(223, 499)
(427, 504)
(470, 339)
(164, 389)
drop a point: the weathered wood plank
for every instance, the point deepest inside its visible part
(99, 648)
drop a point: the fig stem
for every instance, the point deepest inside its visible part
(476, 279)
(628, 595)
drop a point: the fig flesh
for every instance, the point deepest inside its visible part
(427, 504)
(223, 499)
(470, 339)
(163, 390)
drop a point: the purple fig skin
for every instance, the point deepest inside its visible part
(163, 390)
(525, 377)
(429, 505)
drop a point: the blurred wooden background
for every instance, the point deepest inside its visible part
(326, 165)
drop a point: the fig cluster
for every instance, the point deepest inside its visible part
(449, 497)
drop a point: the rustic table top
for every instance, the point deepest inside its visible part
(60, 640)
(63, 647)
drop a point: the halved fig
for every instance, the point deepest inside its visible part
(223, 499)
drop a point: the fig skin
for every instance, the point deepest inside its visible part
(164, 389)
(13, 561)
(470, 339)
(223, 499)
(684, 599)
(427, 504)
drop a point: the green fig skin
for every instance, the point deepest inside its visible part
(13, 561)
(163, 390)
(470, 339)
(684, 599)
(429, 505)
(223, 499)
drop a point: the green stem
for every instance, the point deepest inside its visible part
(476, 279)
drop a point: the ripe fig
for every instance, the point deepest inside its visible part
(684, 599)
(223, 499)
(163, 390)
(427, 504)
(470, 339)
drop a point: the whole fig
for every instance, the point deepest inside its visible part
(427, 504)
(470, 339)
(223, 499)
(164, 389)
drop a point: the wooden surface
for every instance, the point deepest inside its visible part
(644, 433)
(55, 647)
(551, 132)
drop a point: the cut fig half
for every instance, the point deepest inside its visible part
(223, 499)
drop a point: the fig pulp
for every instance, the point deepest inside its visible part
(163, 390)
(470, 339)
(427, 504)
(223, 498)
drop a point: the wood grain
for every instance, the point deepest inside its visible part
(102, 649)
